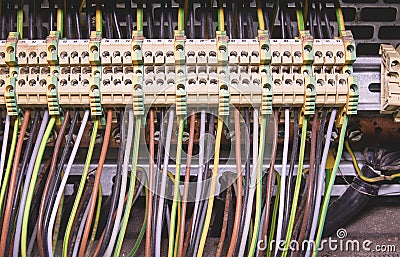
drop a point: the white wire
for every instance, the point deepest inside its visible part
(17, 237)
(253, 181)
(200, 169)
(163, 185)
(63, 183)
(321, 180)
(4, 146)
(124, 183)
(80, 230)
(283, 179)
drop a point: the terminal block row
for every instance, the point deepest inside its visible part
(390, 81)
(262, 72)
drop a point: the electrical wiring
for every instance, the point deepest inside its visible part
(115, 22)
(326, 20)
(28, 176)
(212, 189)
(21, 175)
(114, 233)
(96, 185)
(274, 217)
(160, 210)
(128, 19)
(249, 18)
(49, 180)
(149, 20)
(274, 15)
(283, 178)
(57, 177)
(330, 184)
(4, 146)
(80, 231)
(162, 21)
(199, 171)
(186, 184)
(270, 180)
(118, 180)
(32, 184)
(58, 223)
(131, 189)
(247, 178)
(99, 18)
(260, 16)
(175, 203)
(81, 187)
(4, 183)
(20, 20)
(96, 220)
(139, 17)
(235, 232)
(240, 22)
(320, 186)
(12, 185)
(60, 21)
(64, 182)
(297, 186)
(225, 221)
(149, 209)
(310, 185)
(253, 182)
(300, 17)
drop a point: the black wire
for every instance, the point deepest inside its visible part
(149, 20)
(247, 180)
(3, 24)
(11, 16)
(57, 179)
(289, 28)
(229, 20)
(203, 18)
(25, 159)
(170, 23)
(282, 21)
(129, 19)
(211, 33)
(240, 21)
(77, 24)
(116, 188)
(68, 22)
(311, 15)
(327, 21)
(89, 17)
(250, 23)
(116, 26)
(162, 21)
(191, 23)
(319, 22)
(30, 20)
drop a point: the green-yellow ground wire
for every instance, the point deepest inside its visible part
(139, 17)
(340, 18)
(297, 186)
(210, 204)
(300, 18)
(181, 18)
(9, 163)
(257, 217)
(131, 190)
(221, 18)
(60, 21)
(80, 188)
(260, 16)
(20, 21)
(274, 216)
(96, 220)
(171, 241)
(329, 187)
(32, 184)
(58, 223)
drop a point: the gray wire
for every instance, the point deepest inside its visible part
(163, 184)
(63, 183)
(253, 181)
(283, 179)
(32, 240)
(321, 180)
(124, 183)
(28, 176)
(4, 146)
(80, 230)
(200, 169)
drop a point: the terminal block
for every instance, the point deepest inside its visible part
(390, 81)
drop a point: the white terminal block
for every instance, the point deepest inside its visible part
(33, 70)
(390, 81)
(75, 70)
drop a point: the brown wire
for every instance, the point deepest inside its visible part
(13, 180)
(224, 222)
(95, 189)
(270, 181)
(186, 185)
(151, 174)
(50, 176)
(187, 238)
(311, 176)
(238, 209)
